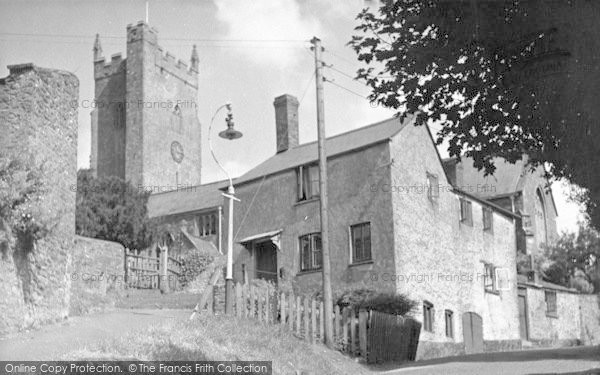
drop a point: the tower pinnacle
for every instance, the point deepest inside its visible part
(97, 48)
(195, 59)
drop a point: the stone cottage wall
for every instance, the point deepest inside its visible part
(272, 204)
(440, 260)
(39, 120)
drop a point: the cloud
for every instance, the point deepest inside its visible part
(268, 20)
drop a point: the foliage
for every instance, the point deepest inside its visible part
(21, 196)
(370, 299)
(575, 260)
(461, 64)
(112, 209)
(192, 265)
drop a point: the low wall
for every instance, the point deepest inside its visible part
(97, 275)
(589, 306)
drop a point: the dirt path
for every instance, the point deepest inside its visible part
(51, 341)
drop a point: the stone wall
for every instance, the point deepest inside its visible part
(97, 274)
(589, 307)
(550, 330)
(39, 121)
(441, 260)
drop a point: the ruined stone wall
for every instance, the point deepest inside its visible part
(97, 275)
(39, 120)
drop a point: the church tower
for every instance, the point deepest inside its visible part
(145, 127)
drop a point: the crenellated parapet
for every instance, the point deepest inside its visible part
(104, 69)
(167, 62)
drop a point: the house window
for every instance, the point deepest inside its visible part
(433, 187)
(310, 252)
(488, 219)
(489, 278)
(207, 225)
(449, 317)
(466, 215)
(551, 308)
(428, 316)
(308, 182)
(361, 242)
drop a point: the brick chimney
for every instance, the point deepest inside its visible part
(286, 122)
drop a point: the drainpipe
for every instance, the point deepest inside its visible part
(219, 237)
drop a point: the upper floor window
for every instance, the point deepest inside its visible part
(466, 213)
(489, 278)
(308, 182)
(488, 219)
(449, 317)
(551, 307)
(311, 255)
(428, 316)
(433, 187)
(207, 224)
(361, 242)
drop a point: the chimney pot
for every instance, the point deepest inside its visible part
(286, 122)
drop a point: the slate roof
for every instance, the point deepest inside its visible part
(336, 145)
(507, 179)
(188, 199)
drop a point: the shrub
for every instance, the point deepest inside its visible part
(370, 299)
(192, 265)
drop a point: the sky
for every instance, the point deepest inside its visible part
(250, 52)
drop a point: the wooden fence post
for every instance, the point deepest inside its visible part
(291, 313)
(336, 326)
(321, 322)
(238, 300)
(282, 308)
(352, 331)
(362, 332)
(267, 307)
(313, 316)
(306, 320)
(252, 305)
(298, 315)
(163, 279)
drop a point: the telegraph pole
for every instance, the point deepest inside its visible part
(326, 266)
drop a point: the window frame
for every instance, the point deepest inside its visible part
(491, 275)
(428, 316)
(449, 318)
(488, 225)
(353, 258)
(433, 187)
(304, 179)
(551, 312)
(312, 241)
(466, 211)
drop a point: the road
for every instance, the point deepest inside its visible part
(577, 360)
(52, 341)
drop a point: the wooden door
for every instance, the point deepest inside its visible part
(472, 332)
(523, 322)
(266, 261)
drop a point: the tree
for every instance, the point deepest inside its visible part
(574, 258)
(112, 209)
(473, 68)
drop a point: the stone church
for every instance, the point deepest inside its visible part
(402, 219)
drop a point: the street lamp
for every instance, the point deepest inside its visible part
(231, 134)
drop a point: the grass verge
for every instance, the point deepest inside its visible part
(221, 338)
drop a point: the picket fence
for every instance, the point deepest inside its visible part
(356, 332)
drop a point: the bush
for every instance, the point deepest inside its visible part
(192, 265)
(370, 299)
